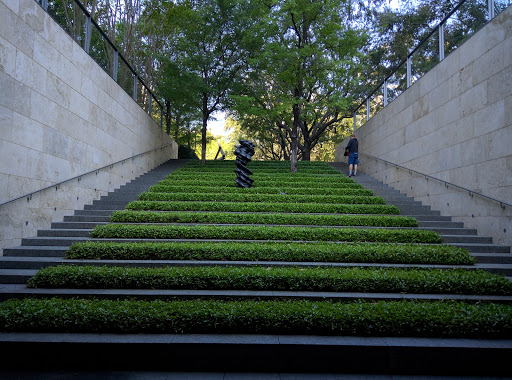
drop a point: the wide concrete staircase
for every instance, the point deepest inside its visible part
(258, 353)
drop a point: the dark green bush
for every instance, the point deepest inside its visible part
(274, 251)
(275, 198)
(264, 233)
(258, 218)
(368, 280)
(403, 318)
(260, 190)
(264, 207)
(185, 151)
(199, 181)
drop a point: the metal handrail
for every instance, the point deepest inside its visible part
(79, 177)
(407, 61)
(44, 5)
(446, 183)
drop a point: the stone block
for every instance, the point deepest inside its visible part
(42, 109)
(30, 73)
(32, 14)
(14, 30)
(57, 38)
(27, 132)
(448, 67)
(490, 118)
(461, 81)
(449, 112)
(79, 105)
(473, 48)
(7, 58)
(12, 158)
(13, 5)
(500, 143)
(58, 91)
(14, 95)
(438, 96)
(474, 99)
(491, 174)
(499, 86)
(499, 28)
(488, 64)
(6, 117)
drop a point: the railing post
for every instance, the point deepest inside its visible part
(161, 118)
(441, 42)
(115, 66)
(150, 103)
(367, 109)
(135, 79)
(409, 61)
(87, 43)
(44, 5)
(385, 92)
(490, 4)
(355, 125)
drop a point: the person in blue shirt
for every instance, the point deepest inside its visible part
(353, 160)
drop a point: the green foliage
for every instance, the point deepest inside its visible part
(401, 318)
(363, 280)
(259, 218)
(185, 151)
(264, 233)
(274, 251)
(273, 198)
(264, 207)
(345, 190)
(265, 183)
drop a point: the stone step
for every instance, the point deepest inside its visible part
(483, 248)
(87, 218)
(34, 251)
(19, 290)
(492, 258)
(238, 353)
(454, 239)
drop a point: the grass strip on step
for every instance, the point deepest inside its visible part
(264, 207)
(260, 218)
(443, 319)
(120, 231)
(260, 190)
(318, 279)
(288, 177)
(274, 251)
(261, 169)
(199, 181)
(274, 198)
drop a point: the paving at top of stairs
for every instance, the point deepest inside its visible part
(244, 352)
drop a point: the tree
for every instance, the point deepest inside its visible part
(302, 77)
(209, 49)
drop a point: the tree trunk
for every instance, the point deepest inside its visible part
(294, 138)
(168, 118)
(203, 129)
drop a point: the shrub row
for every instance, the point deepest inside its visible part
(198, 181)
(240, 197)
(370, 280)
(264, 207)
(260, 190)
(253, 163)
(402, 318)
(285, 177)
(264, 233)
(257, 170)
(290, 177)
(258, 218)
(274, 251)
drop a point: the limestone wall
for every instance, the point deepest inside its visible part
(61, 115)
(454, 124)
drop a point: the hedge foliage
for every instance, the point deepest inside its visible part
(264, 207)
(401, 318)
(260, 190)
(264, 233)
(274, 251)
(227, 183)
(274, 198)
(276, 177)
(371, 280)
(259, 218)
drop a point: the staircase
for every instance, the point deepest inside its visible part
(256, 353)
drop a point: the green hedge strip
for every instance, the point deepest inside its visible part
(264, 207)
(288, 177)
(404, 318)
(274, 251)
(199, 181)
(264, 233)
(260, 190)
(259, 218)
(371, 280)
(274, 198)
